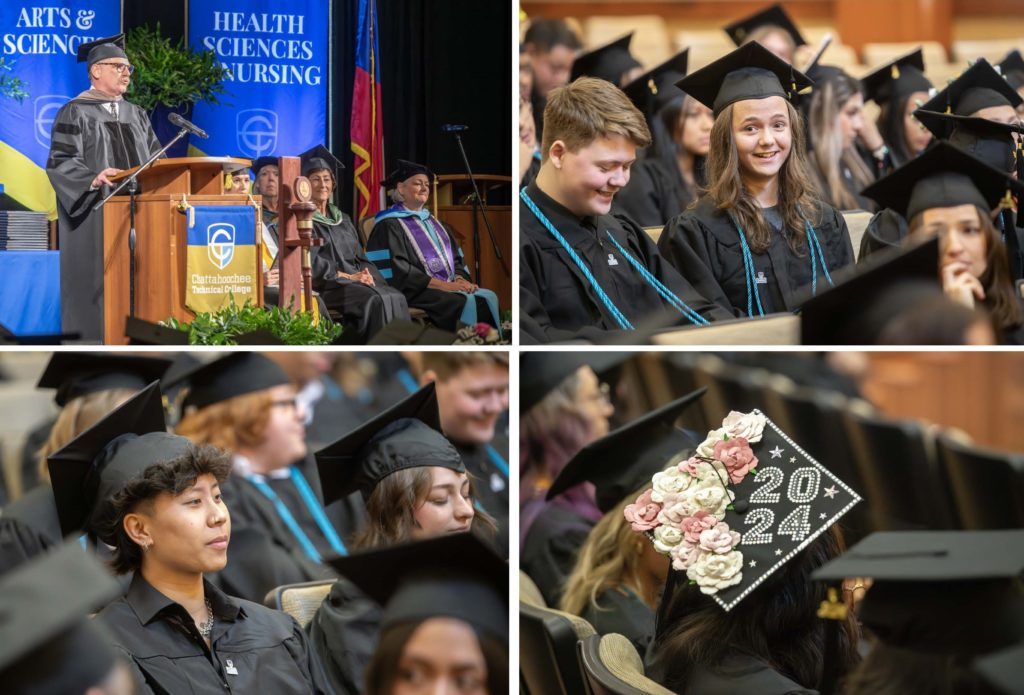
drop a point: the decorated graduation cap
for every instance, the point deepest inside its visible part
(454, 576)
(94, 466)
(944, 176)
(76, 374)
(403, 171)
(897, 78)
(608, 62)
(542, 373)
(939, 592)
(978, 87)
(989, 141)
(238, 374)
(320, 157)
(745, 503)
(47, 644)
(749, 72)
(656, 88)
(102, 49)
(406, 435)
(619, 463)
(773, 16)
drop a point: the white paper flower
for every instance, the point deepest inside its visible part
(685, 555)
(673, 514)
(719, 539)
(714, 572)
(666, 538)
(712, 499)
(665, 484)
(750, 426)
(707, 448)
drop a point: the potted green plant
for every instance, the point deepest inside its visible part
(171, 78)
(11, 87)
(224, 326)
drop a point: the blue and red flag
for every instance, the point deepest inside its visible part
(367, 127)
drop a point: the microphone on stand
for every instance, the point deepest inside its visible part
(454, 128)
(191, 127)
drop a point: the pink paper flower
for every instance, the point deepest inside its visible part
(482, 329)
(643, 514)
(719, 539)
(690, 465)
(694, 526)
(685, 555)
(737, 457)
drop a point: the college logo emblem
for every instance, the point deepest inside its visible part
(257, 131)
(220, 244)
(46, 108)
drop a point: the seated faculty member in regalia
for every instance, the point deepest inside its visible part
(95, 136)
(583, 271)
(418, 254)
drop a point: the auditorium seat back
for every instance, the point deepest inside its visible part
(613, 667)
(300, 601)
(856, 223)
(529, 593)
(548, 658)
(987, 485)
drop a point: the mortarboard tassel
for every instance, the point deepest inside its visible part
(652, 86)
(895, 72)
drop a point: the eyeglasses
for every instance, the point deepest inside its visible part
(285, 403)
(121, 67)
(603, 395)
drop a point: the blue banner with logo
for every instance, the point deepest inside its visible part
(221, 261)
(39, 40)
(276, 101)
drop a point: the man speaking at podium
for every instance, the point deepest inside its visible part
(95, 135)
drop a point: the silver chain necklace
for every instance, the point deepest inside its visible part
(206, 628)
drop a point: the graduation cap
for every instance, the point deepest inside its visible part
(749, 72)
(944, 176)
(608, 62)
(773, 16)
(76, 374)
(101, 49)
(320, 157)
(405, 170)
(989, 141)
(262, 162)
(47, 644)
(228, 377)
(940, 592)
(619, 463)
(865, 298)
(1012, 68)
(88, 471)
(541, 373)
(747, 502)
(406, 435)
(455, 576)
(896, 78)
(978, 87)
(657, 87)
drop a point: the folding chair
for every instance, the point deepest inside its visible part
(987, 486)
(300, 601)
(613, 667)
(548, 659)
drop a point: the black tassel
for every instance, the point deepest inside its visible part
(666, 598)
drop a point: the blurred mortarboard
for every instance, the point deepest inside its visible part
(47, 644)
(619, 463)
(240, 170)
(978, 87)
(775, 16)
(1004, 669)
(989, 141)
(102, 49)
(657, 87)
(749, 72)
(228, 377)
(943, 176)
(76, 374)
(142, 332)
(941, 592)
(406, 435)
(896, 78)
(320, 157)
(261, 162)
(857, 309)
(405, 169)
(541, 373)
(607, 62)
(94, 466)
(1012, 68)
(455, 576)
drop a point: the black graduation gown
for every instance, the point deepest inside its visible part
(408, 275)
(736, 674)
(491, 485)
(345, 631)
(885, 230)
(531, 172)
(550, 549)
(704, 245)
(29, 459)
(364, 309)
(253, 649)
(85, 140)
(556, 300)
(620, 611)
(29, 527)
(654, 195)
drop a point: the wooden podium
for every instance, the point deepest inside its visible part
(161, 239)
(451, 207)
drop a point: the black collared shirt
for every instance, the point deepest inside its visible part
(254, 649)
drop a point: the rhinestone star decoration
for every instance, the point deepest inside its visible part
(778, 551)
(753, 563)
(831, 491)
(776, 452)
(792, 459)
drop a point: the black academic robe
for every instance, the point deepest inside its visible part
(885, 230)
(491, 482)
(531, 172)
(550, 549)
(704, 245)
(557, 302)
(345, 631)
(363, 309)
(654, 195)
(29, 527)
(408, 275)
(621, 611)
(736, 674)
(253, 649)
(85, 140)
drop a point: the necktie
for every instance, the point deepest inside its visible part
(113, 109)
